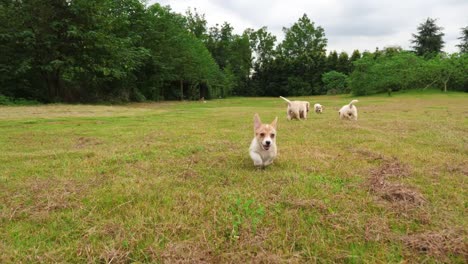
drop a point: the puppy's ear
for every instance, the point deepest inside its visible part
(257, 122)
(274, 123)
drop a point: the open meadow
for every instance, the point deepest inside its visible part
(173, 182)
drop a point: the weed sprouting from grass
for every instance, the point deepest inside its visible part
(245, 214)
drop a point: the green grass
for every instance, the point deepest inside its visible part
(167, 182)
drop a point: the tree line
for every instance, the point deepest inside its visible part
(123, 50)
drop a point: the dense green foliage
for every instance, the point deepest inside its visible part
(99, 50)
(400, 70)
(298, 63)
(123, 50)
(335, 82)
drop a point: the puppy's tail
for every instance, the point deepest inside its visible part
(352, 102)
(285, 99)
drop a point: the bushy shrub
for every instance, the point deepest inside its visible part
(5, 100)
(334, 82)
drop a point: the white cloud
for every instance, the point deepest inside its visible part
(348, 24)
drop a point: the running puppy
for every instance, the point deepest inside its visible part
(349, 111)
(263, 147)
(297, 109)
(318, 108)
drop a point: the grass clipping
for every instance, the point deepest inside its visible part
(394, 192)
(439, 244)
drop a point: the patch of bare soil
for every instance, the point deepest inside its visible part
(440, 244)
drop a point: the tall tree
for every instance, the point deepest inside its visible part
(428, 40)
(303, 39)
(181, 66)
(356, 55)
(232, 53)
(197, 24)
(343, 63)
(332, 61)
(219, 40)
(15, 60)
(463, 46)
(262, 43)
(303, 49)
(240, 62)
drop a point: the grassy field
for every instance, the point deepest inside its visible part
(173, 182)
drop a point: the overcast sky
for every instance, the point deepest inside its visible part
(348, 24)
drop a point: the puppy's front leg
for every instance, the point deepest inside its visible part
(268, 162)
(257, 159)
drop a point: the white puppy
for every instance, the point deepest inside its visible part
(263, 147)
(349, 111)
(297, 109)
(318, 108)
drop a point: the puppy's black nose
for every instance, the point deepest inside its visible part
(268, 142)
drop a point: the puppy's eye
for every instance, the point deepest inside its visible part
(262, 134)
(272, 135)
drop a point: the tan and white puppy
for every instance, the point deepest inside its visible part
(318, 108)
(349, 111)
(297, 109)
(263, 147)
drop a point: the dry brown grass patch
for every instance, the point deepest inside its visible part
(87, 141)
(377, 229)
(115, 255)
(457, 168)
(391, 168)
(268, 257)
(368, 154)
(393, 192)
(398, 193)
(186, 252)
(440, 244)
(47, 195)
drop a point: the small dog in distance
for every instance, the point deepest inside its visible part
(349, 111)
(297, 109)
(318, 108)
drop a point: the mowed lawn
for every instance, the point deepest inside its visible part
(173, 182)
